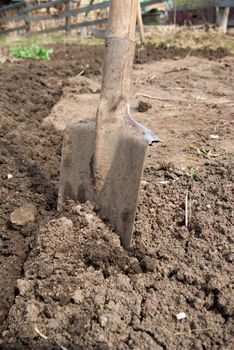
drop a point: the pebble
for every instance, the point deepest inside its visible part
(103, 321)
(24, 286)
(181, 316)
(214, 137)
(78, 296)
(144, 183)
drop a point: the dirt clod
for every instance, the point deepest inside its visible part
(24, 214)
(143, 106)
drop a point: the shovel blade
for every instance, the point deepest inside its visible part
(116, 200)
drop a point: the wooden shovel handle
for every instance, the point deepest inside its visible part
(140, 24)
(122, 19)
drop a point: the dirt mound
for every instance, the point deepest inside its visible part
(157, 53)
(82, 290)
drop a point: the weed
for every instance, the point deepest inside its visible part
(193, 173)
(2, 40)
(35, 51)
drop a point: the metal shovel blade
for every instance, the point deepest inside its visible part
(102, 160)
(123, 152)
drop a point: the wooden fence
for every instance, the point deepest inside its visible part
(24, 16)
(200, 4)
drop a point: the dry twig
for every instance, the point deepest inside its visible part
(40, 334)
(46, 338)
(197, 100)
(198, 330)
(160, 98)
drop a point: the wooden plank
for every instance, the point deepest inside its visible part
(225, 3)
(7, 19)
(92, 7)
(63, 28)
(45, 5)
(89, 23)
(46, 31)
(65, 14)
(193, 4)
(12, 6)
(32, 8)
(61, 15)
(150, 2)
(6, 31)
(82, 9)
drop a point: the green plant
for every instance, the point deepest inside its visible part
(193, 173)
(34, 51)
(2, 40)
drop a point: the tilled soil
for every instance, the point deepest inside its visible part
(65, 280)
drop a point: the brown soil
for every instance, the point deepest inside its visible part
(65, 281)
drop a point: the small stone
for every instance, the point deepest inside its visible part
(89, 218)
(9, 176)
(103, 321)
(143, 106)
(24, 214)
(5, 333)
(24, 286)
(214, 137)
(163, 182)
(77, 208)
(144, 183)
(78, 296)
(181, 316)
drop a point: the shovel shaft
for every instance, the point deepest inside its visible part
(122, 19)
(140, 24)
(116, 85)
(119, 54)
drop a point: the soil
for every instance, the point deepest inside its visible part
(65, 280)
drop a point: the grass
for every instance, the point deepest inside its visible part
(35, 51)
(191, 38)
(193, 173)
(2, 40)
(229, 43)
(57, 38)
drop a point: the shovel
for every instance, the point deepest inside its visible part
(102, 159)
